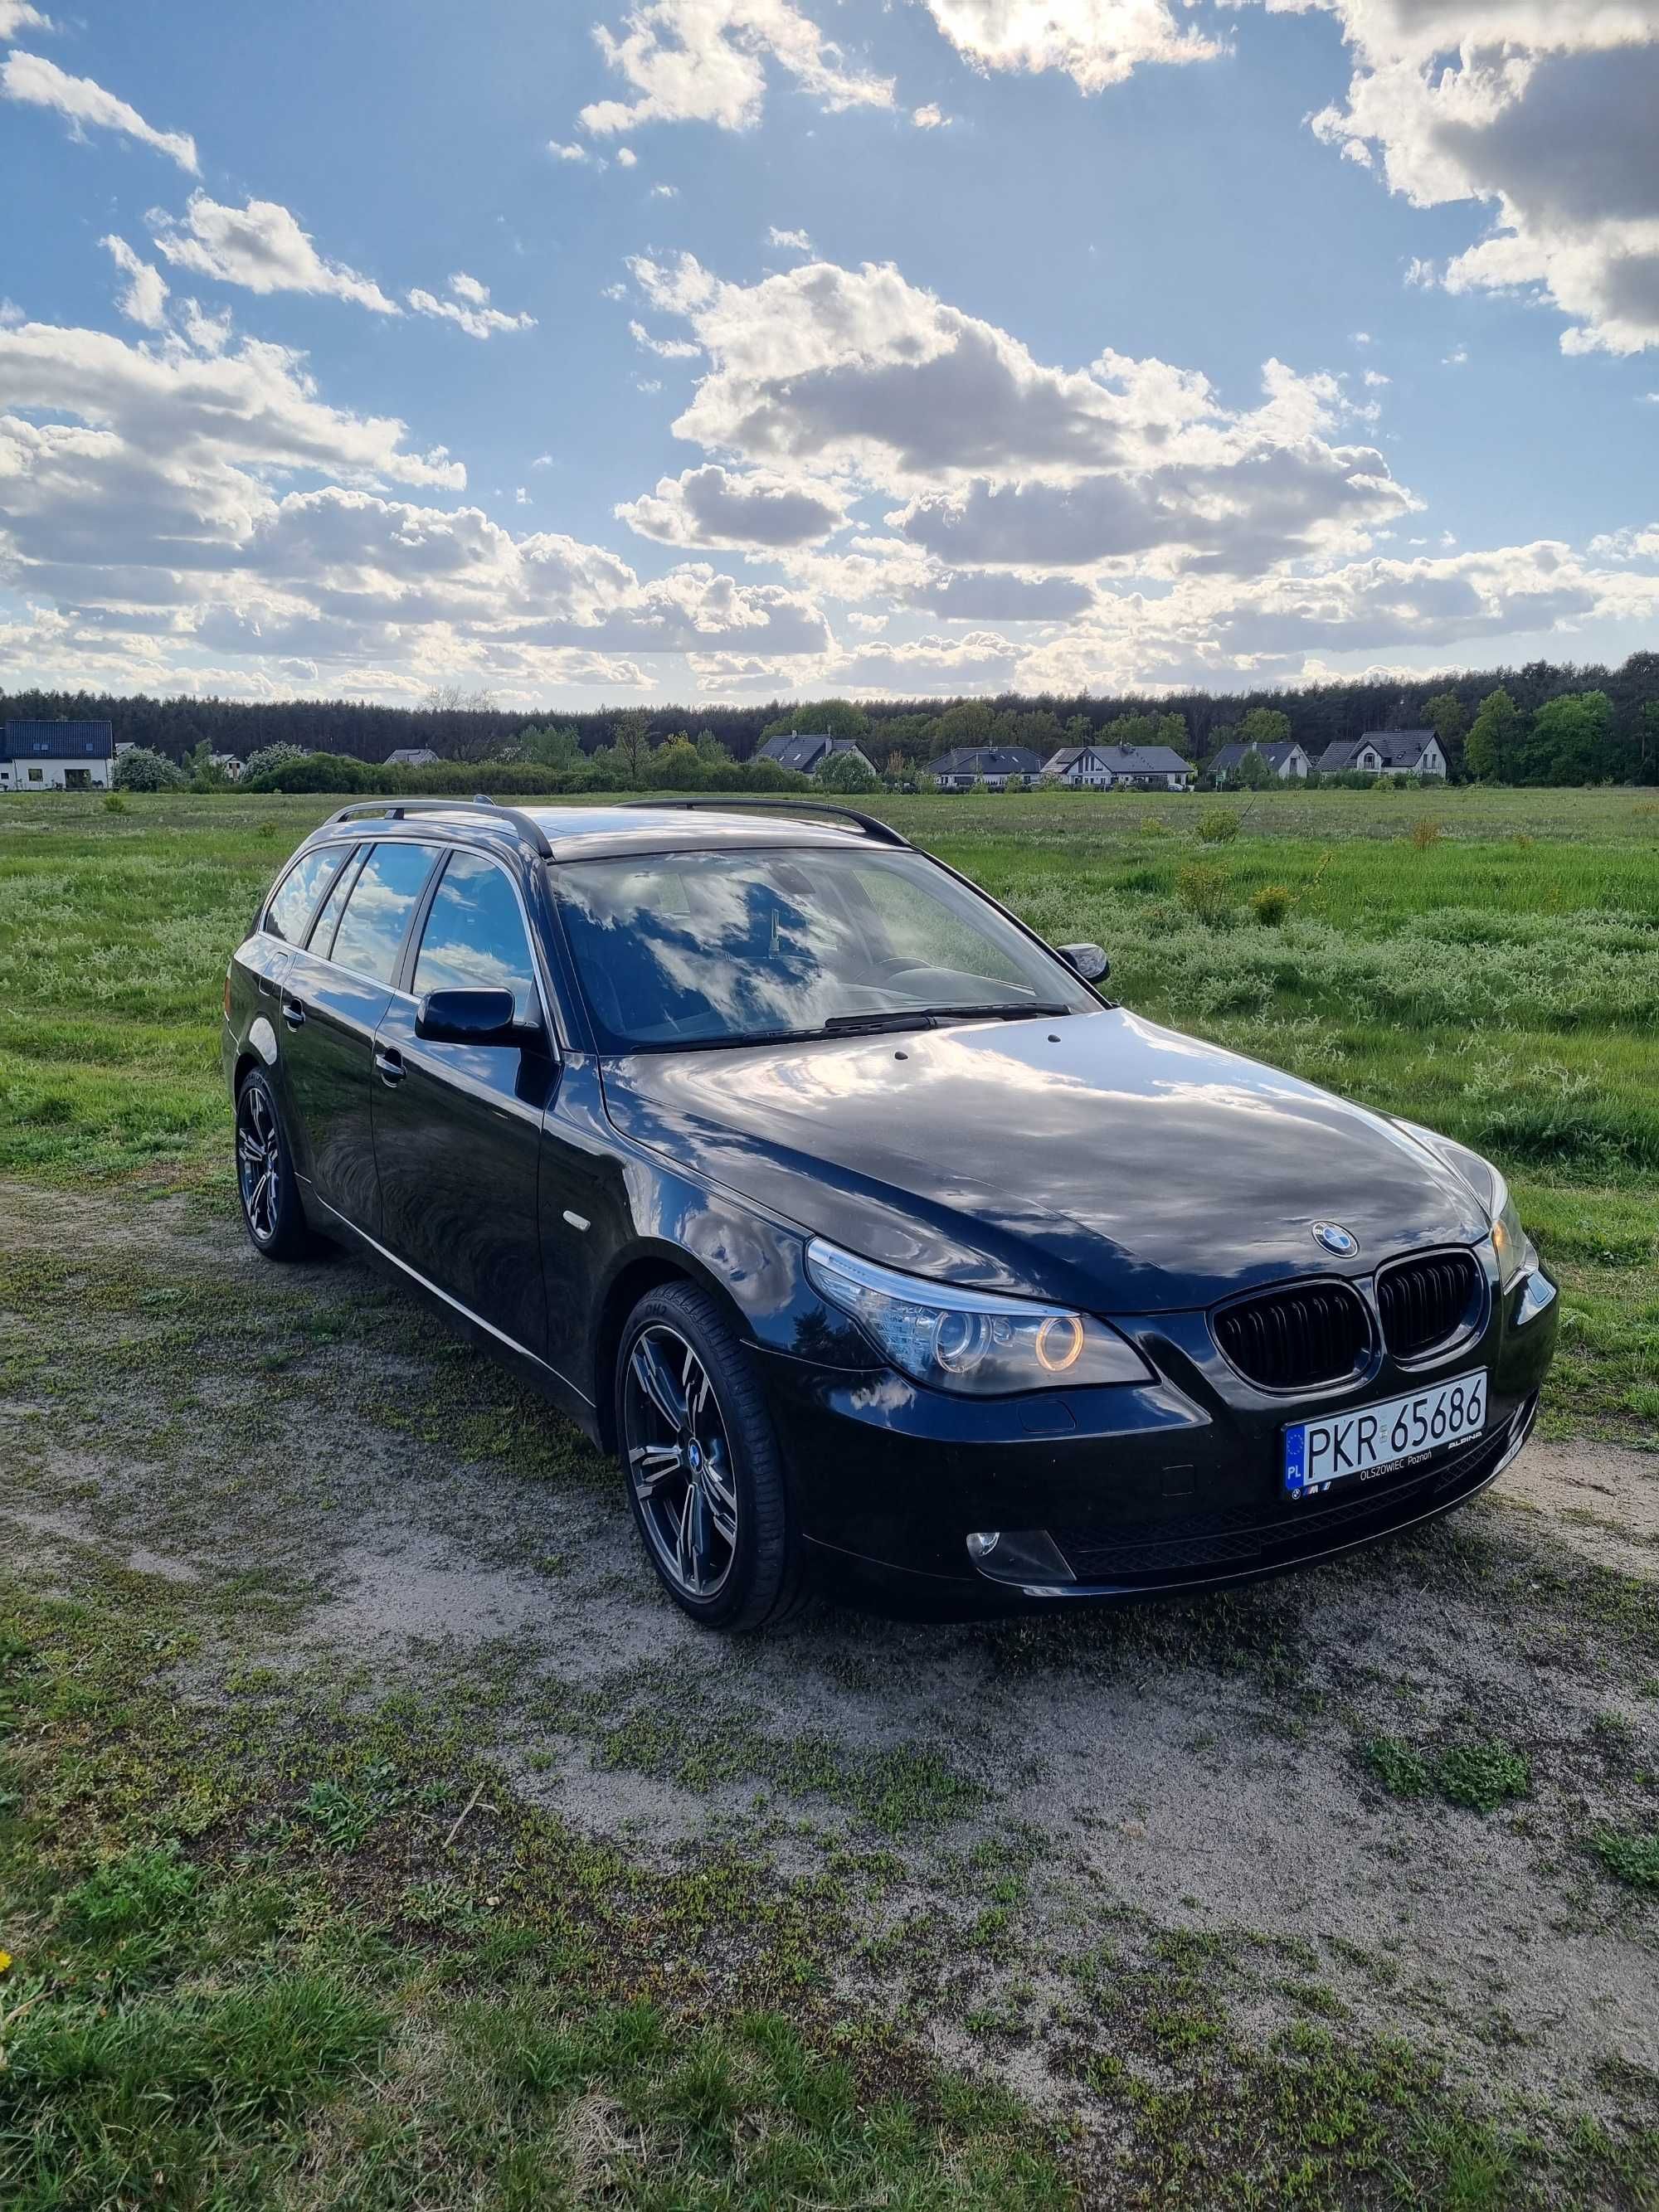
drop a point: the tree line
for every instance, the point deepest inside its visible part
(1546, 722)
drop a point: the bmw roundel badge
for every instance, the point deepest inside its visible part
(1335, 1239)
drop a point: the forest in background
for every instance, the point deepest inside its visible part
(1614, 737)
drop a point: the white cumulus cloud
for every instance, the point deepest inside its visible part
(145, 297)
(261, 248)
(706, 61)
(87, 105)
(469, 308)
(1095, 42)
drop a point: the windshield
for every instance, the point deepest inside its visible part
(680, 949)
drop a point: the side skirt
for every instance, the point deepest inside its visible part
(524, 1362)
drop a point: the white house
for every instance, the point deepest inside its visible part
(1081, 768)
(1386, 752)
(1282, 755)
(57, 756)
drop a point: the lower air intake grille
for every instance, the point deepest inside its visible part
(1286, 1339)
(1425, 1302)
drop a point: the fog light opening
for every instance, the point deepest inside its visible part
(1029, 1557)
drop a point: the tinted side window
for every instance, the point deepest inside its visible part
(474, 938)
(389, 884)
(303, 885)
(321, 939)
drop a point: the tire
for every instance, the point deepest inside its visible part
(272, 1213)
(715, 1517)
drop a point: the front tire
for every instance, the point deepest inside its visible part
(271, 1210)
(701, 1466)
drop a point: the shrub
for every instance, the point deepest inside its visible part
(113, 803)
(1426, 831)
(1203, 892)
(266, 757)
(1271, 904)
(1631, 1858)
(1482, 1776)
(139, 769)
(1402, 1772)
(847, 773)
(1217, 827)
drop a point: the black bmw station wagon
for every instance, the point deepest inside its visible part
(885, 1252)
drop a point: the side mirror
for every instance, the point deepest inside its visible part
(466, 1018)
(1088, 961)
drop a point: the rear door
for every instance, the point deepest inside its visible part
(458, 1129)
(333, 998)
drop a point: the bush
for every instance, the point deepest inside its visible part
(1631, 1858)
(1203, 892)
(1271, 904)
(266, 757)
(847, 773)
(308, 772)
(1217, 827)
(1483, 1775)
(1425, 831)
(139, 769)
(113, 803)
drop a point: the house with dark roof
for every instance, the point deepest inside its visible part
(806, 751)
(57, 756)
(1147, 768)
(1386, 752)
(411, 756)
(1282, 755)
(1079, 768)
(995, 766)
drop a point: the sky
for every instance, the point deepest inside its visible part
(597, 354)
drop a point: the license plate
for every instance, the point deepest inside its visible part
(1371, 1439)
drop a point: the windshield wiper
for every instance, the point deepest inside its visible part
(877, 1019)
(1001, 1010)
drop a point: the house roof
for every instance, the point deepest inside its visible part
(59, 741)
(1065, 757)
(411, 756)
(1144, 760)
(987, 760)
(1275, 752)
(805, 749)
(1393, 748)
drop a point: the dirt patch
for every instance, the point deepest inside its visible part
(359, 1499)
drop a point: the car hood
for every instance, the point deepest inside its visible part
(1098, 1159)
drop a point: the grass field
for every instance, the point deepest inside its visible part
(1487, 962)
(312, 1894)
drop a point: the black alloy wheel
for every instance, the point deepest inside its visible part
(702, 1464)
(264, 1173)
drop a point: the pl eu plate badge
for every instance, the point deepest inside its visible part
(1296, 1462)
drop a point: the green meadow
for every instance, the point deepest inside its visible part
(1486, 962)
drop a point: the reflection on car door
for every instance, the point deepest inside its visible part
(458, 1127)
(333, 997)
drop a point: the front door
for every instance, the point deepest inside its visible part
(333, 999)
(458, 1129)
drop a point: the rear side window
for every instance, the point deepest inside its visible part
(300, 889)
(474, 938)
(372, 929)
(321, 939)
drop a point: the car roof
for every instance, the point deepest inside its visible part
(590, 833)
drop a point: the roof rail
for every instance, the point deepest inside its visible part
(394, 810)
(884, 832)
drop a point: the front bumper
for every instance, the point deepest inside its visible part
(1175, 1487)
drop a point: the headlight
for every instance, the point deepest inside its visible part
(969, 1341)
(1509, 1240)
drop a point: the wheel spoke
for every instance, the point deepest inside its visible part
(653, 1464)
(695, 1386)
(722, 1512)
(686, 1557)
(653, 1378)
(249, 1148)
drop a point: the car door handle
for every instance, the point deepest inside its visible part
(391, 1065)
(294, 1014)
